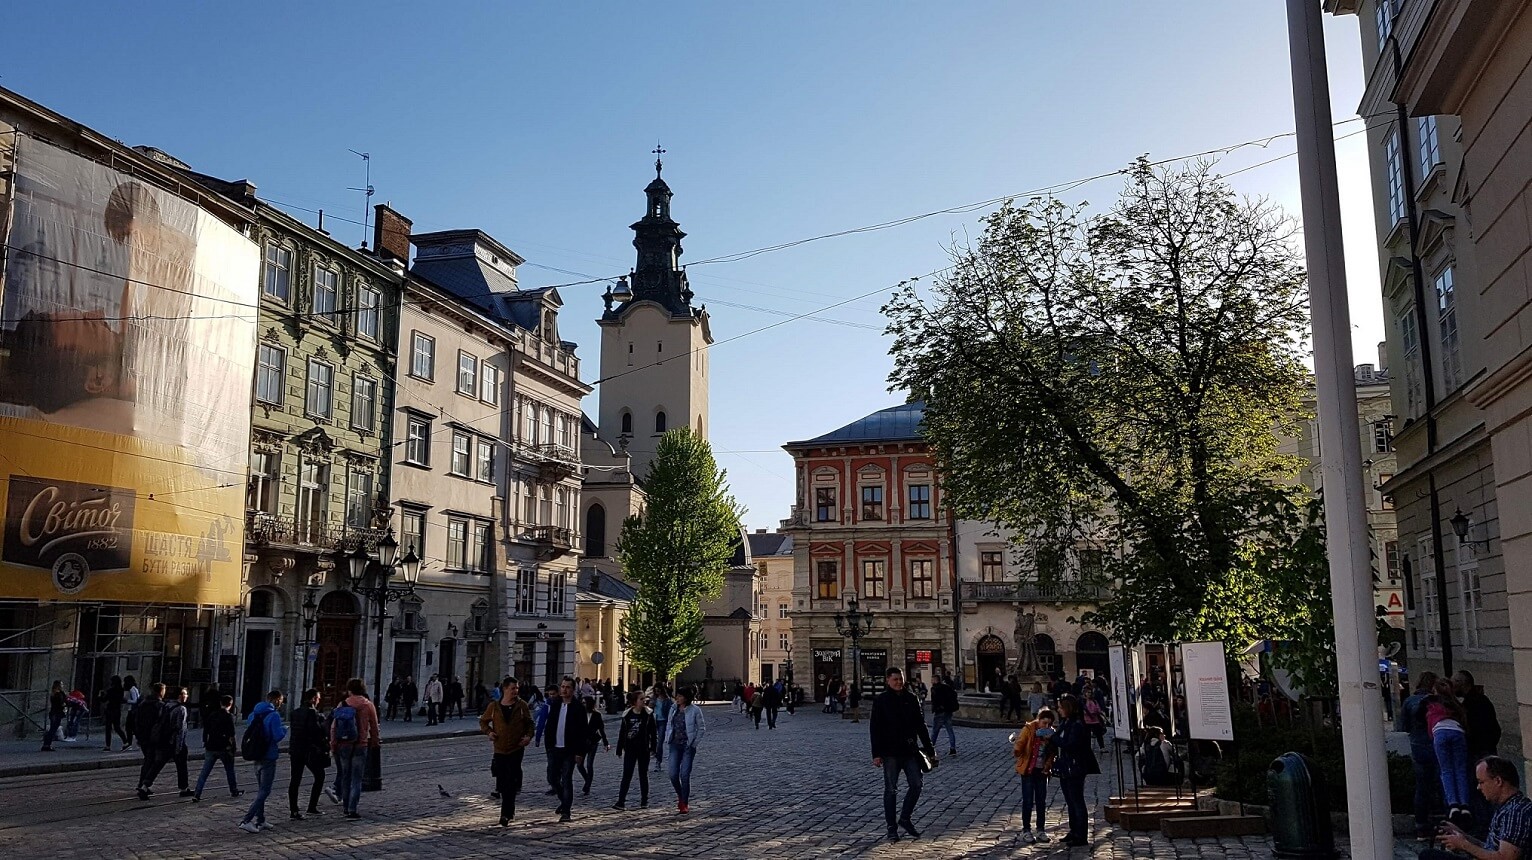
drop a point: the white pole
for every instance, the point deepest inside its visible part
(1367, 796)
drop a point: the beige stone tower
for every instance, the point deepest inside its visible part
(654, 358)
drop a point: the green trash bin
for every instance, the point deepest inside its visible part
(1300, 809)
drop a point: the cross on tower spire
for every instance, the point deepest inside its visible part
(658, 164)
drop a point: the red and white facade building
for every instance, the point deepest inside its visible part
(869, 520)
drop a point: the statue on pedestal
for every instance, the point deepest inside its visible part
(1025, 634)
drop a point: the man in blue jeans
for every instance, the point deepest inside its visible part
(898, 732)
(353, 734)
(267, 715)
(944, 704)
(1428, 785)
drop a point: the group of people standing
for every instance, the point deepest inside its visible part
(1452, 726)
(1055, 745)
(573, 733)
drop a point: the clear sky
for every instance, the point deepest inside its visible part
(534, 123)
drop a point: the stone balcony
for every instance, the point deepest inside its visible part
(1033, 592)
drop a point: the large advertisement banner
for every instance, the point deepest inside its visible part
(1207, 691)
(127, 346)
(1122, 721)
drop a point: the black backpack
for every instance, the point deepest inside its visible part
(254, 745)
(146, 719)
(165, 726)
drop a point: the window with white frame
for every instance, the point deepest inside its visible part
(874, 578)
(1447, 331)
(359, 498)
(1428, 600)
(265, 477)
(528, 422)
(1409, 341)
(992, 565)
(277, 275)
(557, 582)
(561, 507)
(1472, 596)
(545, 508)
(547, 429)
(489, 383)
(1384, 17)
(567, 424)
(1394, 163)
(462, 453)
(782, 642)
(368, 320)
(825, 510)
(781, 610)
(484, 460)
(922, 578)
(326, 289)
(422, 356)
(478, 547)
(364, 402)
(457, 543)
(529, 503)
(1430, 145)
(417, 440)
(872, 502)
(467, 374)
(413, 532)
(526, 590)
(1382, 436)
(320, 400)
(270, 365)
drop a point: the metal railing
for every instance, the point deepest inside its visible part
(1066, 591)
(263, 528)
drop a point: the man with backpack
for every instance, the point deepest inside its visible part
(146, 717)
(260, 743)
(353, 733)
(169, 734)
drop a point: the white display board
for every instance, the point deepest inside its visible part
(1117, 664)
(1207, 691)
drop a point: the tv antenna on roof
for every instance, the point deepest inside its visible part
(367, 190)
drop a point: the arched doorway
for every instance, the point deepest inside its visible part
(335, 633)
(991, 660)
(1090, 653)
(262, 619)
(1047, 654)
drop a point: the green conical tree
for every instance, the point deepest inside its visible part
(676, 552)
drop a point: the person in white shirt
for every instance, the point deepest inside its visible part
(433, 697)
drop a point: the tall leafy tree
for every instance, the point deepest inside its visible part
(1122, 379)
(676, 552)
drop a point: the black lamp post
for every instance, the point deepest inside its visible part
(372, 580)
(853, 625)
(310, 615)
(622, 664)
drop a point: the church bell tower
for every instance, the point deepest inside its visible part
(654, 359)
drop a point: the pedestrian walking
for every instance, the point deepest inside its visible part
(56, 706)
(568, 743)
(263, 733)
(110, 702)
(391, 698)
(1446, 720)
(636, 741)
(454, 700)
(897, 729)
(130, 699)
(757, 705)
(169, 735)
(508, 723)
(1428, 785)
(944, 705)
(146, 718)
(683, 732)
(218, 746)
(75, 707)
(433, 701)
(309, 749)
(663, 705)
(540, 713)
(1034, 760)
(1073, 762)
(411, 695)
(597, 732)
(771, 702)
(353, 735)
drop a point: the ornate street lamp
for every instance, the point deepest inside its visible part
(853, 624)
(310, 615)
(372, 580)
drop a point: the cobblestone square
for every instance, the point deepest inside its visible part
(805, 790)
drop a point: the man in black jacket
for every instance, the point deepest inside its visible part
(146, 718)
(218, 746)
(898, 731)
(566, 738)
(944, 704)
(169, 733)
(309, 745)
(1483, 733)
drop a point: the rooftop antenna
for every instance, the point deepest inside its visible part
(367, 190)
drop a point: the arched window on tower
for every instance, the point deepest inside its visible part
(659, 421)
(627, 423)
(595, 531)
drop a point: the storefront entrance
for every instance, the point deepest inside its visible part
(991, 661)
(336, 635)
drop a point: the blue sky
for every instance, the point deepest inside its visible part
(534, 122)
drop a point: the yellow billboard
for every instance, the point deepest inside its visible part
(127, 347)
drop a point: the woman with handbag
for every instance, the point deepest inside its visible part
(1034, 759)
(309, 747)
(1072, 763)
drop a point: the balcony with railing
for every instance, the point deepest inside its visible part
(550, 541)
(1066, 591)
(555, 462)
(263, 529)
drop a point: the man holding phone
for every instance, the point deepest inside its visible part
(1510, 831)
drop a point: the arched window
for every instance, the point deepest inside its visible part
(261, 604)
(595, 530)
(627, 423)
(1047, 653)
(1090, 653)
(659, 421)
(337, 603)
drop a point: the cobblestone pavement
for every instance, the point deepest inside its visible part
(805, 790)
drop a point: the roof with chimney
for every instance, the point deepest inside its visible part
(595, 583)
(894, 424)
(469, 264)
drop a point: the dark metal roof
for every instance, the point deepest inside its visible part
(593, 581)
(894, 424)
(771, 543)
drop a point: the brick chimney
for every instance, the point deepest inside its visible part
(391, 234)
